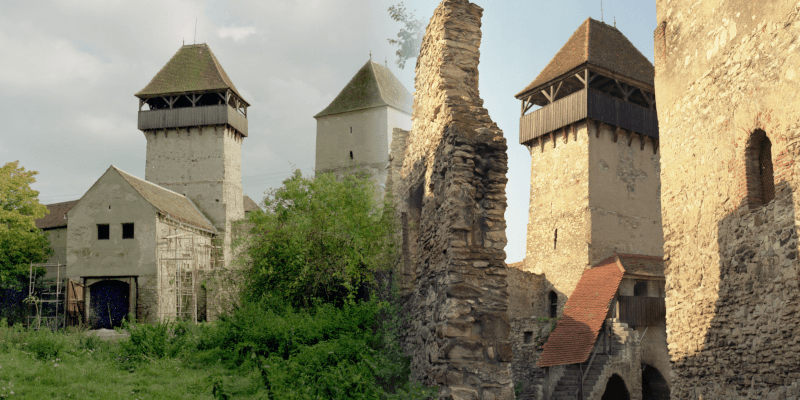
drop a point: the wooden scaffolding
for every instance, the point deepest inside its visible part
(181, 257)
(47, 296)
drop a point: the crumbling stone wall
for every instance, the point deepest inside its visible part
(451, 198)
(724, 71)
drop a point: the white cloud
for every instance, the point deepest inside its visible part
(236, 33)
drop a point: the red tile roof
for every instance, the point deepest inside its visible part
(517, 265)
(572, 340)
(56, 218)
(600, 44)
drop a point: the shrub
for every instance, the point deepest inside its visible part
(45, 344)
(164, 339)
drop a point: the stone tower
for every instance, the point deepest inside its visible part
(194, 126)
(595, 184)
(355, 130)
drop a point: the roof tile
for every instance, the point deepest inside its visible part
(56, 217)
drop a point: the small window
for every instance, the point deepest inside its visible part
(640, 288)
(528, 337)
(351, 155)
(555, 239)
(102, 232)
(553, 304)
(127, 231)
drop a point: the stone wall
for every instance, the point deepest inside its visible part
(527, 338)
(451, 199)
(727, 70)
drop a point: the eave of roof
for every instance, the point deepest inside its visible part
(372, 86)
(56, 217)
(598, 44)
(192, 69)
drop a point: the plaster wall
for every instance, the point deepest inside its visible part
(111, 200)
(725, 69)
(58, 241)
(624, 195)
(366, 133)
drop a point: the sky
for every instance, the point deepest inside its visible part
(69, 71)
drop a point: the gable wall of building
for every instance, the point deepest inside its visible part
(724, 70)
(111, 201)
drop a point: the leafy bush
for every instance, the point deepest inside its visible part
(45, 344)
(164, 339)
(319, 238)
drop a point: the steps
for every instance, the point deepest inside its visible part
(567, 386)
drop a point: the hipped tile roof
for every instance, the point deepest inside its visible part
(173, 205)
(572, 340)
(249, 204)
(596, 43)
(56, 218)
(373, 86)
(193, 69)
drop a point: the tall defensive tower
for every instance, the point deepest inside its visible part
(355, 130)
(194, 124)
(595, 175)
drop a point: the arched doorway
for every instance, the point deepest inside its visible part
(615, 389)
(654, 386)
(109, 303)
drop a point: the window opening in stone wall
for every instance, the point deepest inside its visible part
(765, 170)
(640, 288)
(102, 232)
(351, 129)
(127, 230)
(555, 239)
(351, 155)
(553, 304)
(759, 170)
(528, 337)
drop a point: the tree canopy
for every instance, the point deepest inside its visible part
(21, 243)
(410, 36)
(319, 238)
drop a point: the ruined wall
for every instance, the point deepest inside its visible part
(591, 194)
(723, 71)
(527, 338)
(452, 196)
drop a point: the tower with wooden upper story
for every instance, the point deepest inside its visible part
(194, 121)
(595, 172)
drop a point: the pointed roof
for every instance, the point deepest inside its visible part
(373, 86)
(173, 205)
(599, 44)
(192, 69)
(56, 218)
(572, 340)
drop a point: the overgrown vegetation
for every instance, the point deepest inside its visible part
(318, 318)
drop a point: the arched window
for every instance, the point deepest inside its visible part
(760, 177)
(553, 304)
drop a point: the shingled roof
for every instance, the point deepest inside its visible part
(572, 340)
(173, 205)
(193, 69)
(373, 86)
(596, 43)
(56, 217)
(249, 204)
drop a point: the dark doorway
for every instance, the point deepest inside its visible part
(615, 389)
(109, 303)
(654, 386)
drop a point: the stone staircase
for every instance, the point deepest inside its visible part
(567, 386)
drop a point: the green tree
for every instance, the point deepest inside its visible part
(21, 243)
(410, 36)
(320, 239)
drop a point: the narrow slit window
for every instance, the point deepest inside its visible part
(765, 170)
(553, 304)
(351, 155)
(127, 231)
(555, 239)
(102, 232)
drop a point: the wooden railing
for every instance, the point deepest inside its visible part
(185, 117)
(588, 103)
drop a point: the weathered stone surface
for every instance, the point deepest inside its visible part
(725, 72)
(448, 180)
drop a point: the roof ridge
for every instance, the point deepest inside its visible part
(148, 182)
(62, 202)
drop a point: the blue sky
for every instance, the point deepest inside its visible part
(68, 72)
